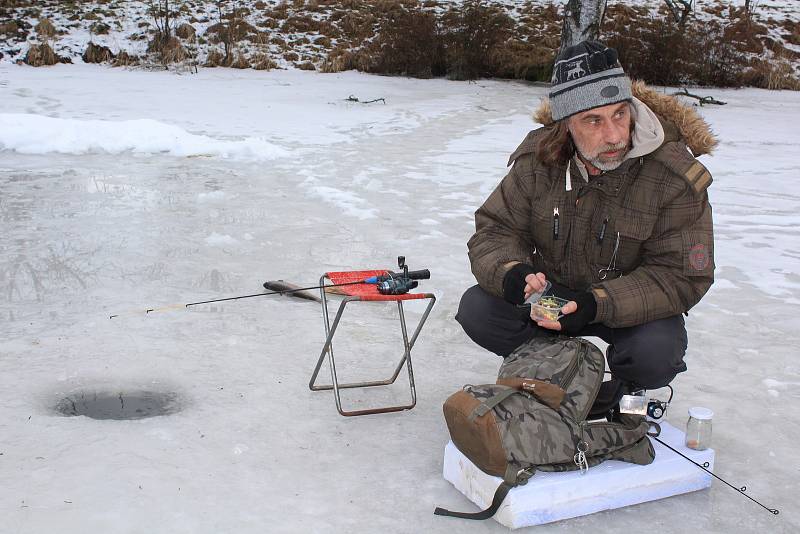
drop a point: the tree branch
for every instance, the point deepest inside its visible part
(351, 98)
(701, 99)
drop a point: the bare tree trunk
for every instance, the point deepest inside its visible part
(680, 9)
(166, 20)
(582, 20)
(749, 8)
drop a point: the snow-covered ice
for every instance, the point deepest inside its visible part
(110, 214)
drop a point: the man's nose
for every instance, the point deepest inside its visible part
(613, 133)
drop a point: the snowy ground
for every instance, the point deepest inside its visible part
(127, 190)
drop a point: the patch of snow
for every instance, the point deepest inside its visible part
(37, 134)
(211, 196)
(218, 240)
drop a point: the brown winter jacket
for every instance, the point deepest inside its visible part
(657, 205)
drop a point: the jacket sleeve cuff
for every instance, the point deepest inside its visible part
(605, 307)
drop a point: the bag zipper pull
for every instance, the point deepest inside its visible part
(580, 455)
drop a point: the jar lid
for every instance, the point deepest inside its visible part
(699, 412)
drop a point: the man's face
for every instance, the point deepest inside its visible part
(602, 135)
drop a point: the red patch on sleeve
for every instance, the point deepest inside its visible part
(698, 257)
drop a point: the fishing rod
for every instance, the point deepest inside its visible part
(704, 466)
(390, 283)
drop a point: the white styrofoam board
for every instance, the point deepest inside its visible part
(549, 497)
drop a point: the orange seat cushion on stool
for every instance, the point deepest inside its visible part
(367, 291)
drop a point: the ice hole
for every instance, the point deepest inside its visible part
(120, 405)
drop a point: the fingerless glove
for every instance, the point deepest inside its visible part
(514, 283)
(573, 323)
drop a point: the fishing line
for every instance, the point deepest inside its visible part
(705, 465)
(178, 306)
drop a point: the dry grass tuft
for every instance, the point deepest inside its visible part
(173, 51)
(100, 28)
(185, 31)
(9, 27)
(168, 50)
(269, 23)
(305, 66)
(124, 59)
(262, 61)
(45, 29)
(39, 55)
(215, 58)
(300, 24)
(523, 60)
(231, 31)
(358, 26)
(97, 54)
(793, 32)
(408, 43)
(342, 59)
(240, 62)
(774, 74)
(323, 41)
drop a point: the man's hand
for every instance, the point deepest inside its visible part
(577, 313)
(534, 283)
(520, 282)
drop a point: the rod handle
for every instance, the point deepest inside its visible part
(422, 274)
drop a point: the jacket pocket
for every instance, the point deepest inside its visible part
(631, 231)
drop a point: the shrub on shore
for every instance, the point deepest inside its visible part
(40, 55)
(95, 53)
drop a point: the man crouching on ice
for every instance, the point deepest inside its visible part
(606, 202)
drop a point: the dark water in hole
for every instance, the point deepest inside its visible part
(119, 405)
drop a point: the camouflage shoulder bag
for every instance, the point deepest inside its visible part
(534, 418)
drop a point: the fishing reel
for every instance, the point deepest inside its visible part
(401, 283)
(396, 286)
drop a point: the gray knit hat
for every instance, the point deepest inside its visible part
(587, 76)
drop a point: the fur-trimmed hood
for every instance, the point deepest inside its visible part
(678, 120)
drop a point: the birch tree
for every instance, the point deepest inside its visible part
(582, 20)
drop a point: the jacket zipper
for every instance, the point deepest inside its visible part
(555, 223)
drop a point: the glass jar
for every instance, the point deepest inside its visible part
(698, 428)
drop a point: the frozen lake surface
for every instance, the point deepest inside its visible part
(126, 190)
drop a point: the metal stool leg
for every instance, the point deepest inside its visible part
(327, 348)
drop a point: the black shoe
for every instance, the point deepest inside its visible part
(607, 399)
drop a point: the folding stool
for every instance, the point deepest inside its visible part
(366, 293)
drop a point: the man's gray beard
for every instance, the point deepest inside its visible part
(597, 163)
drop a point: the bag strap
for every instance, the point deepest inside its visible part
(513, 477)
(499, 496)
(485, 407)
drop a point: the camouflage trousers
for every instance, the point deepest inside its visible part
(649, 355)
